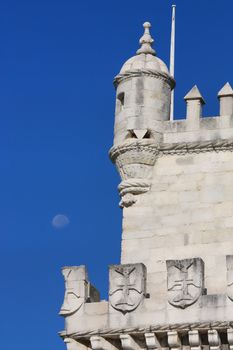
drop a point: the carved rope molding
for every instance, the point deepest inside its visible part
(142, 72)
(135, 159)
(196, 147)
(144, 145)
(173, 148)
(218, 325)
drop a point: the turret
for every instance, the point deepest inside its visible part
(143, 93)
(173, 288)
(143, 99)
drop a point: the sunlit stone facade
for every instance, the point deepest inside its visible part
(174, 286)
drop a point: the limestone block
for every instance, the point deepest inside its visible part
(224, 209)
(194, 340)
(76, 284)
(152, 341)
(229, 263)
(173, 340)
(214, 340)
(212, 193)
(175, 220)
(72, 344)
(128, 342)
(100, 343)
(134, 160)
(96, 308)
(78, 291)
(127, 286)
(230, 338)
(209, 123)
(202, 215)
(188, 196)
(225, 96)
(185, 281)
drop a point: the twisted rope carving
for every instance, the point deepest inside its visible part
(149, 72)
(127, 184)
(144, 145)
(218, 325)
(196, 147)
(172, 148)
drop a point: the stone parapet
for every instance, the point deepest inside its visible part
(186, 304)
(174, 287)
(193, 336)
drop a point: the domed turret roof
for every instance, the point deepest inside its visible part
(145, 58)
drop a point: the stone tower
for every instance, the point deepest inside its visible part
(174, 286)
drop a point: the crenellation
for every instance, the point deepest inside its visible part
(225, 96)
(194, 102)
(173, 287)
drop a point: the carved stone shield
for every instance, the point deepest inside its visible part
(75, 292)
(229, 261)
(127, 286)
(185, 281)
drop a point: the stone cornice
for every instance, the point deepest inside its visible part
(172, 148)
(142, 72)
(196, 147)
(218, 325)
(134, 144)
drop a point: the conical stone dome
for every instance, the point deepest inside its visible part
(145, 58)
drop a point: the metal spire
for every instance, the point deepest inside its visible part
(172, 57)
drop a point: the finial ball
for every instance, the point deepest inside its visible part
(146, 25)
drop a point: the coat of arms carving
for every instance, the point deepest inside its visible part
(76, 283)
(127, 286)
(229, 261)
(185, 281)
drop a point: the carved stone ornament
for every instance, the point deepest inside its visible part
(72, 344)
(144, 72)
(134, 160)
(185, 281)
(127, 286)
(75, 289)
(229, 261)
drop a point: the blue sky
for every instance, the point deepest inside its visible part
(58, 59)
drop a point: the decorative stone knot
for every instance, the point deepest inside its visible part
(146, 41)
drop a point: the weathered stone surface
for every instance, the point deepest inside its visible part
(127, 286)
(225, 96)
(229, 262)
(72, 344)
(78, 291)
(177, 196)
(76, 282)
(214, 339)
(185, 281)
(194, 340)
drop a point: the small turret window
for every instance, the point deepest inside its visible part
(120, 102)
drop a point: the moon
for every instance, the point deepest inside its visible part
(60, 221)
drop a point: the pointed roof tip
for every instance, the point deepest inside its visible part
(226, 90)
(194, 94)
(146, 41)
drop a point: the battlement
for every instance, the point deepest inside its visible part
(143, 138)
(173, 288)
(196, 128)
(133, 315)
